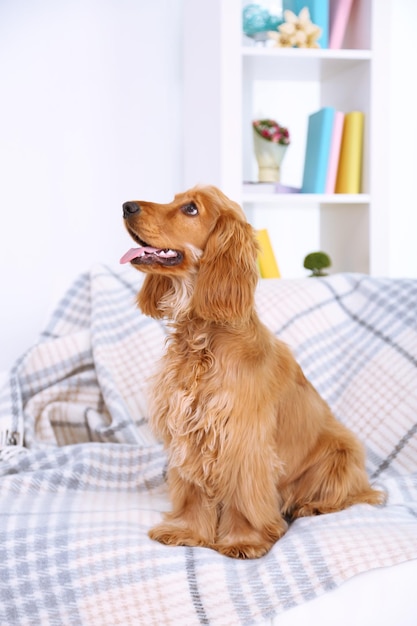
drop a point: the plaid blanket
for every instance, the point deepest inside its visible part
(77, 499)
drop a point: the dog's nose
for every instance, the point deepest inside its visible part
(129, 208)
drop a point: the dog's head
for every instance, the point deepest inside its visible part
(199, 245)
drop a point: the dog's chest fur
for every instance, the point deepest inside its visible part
(190, 410)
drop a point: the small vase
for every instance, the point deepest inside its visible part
(269, 156)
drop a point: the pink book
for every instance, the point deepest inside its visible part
(339, 17)
(335, 143)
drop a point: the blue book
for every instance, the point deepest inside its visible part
(319, 15)
(319, 141)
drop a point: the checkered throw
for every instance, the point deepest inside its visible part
(77, 500)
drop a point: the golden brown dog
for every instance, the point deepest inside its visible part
(249, 440)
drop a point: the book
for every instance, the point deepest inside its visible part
(316, 161)
(268, 266)
(319, 15)
(349, 172)
(338, 21)
(335, 144)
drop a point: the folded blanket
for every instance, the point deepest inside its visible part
(77, 499)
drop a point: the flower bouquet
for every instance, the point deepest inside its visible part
(270, 143)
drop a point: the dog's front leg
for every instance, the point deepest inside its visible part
(250, 521)
(239, 538)
(193, 519)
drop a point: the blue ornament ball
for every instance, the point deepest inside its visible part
(255, 19)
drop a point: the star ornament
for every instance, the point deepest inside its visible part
(297, 31)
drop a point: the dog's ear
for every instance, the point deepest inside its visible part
(154, 289)
(228, 273)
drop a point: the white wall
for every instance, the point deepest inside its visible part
(403, 140)
(90, 116)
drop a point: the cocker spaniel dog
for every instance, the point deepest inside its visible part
(250, 442)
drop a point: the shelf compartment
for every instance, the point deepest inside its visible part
(300, 64)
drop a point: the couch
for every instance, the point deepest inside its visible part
(82, 476)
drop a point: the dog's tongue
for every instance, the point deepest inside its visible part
(131, 254)
(135, 253)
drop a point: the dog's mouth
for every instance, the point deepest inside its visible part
(148, 255)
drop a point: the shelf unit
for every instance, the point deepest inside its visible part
(228, 83)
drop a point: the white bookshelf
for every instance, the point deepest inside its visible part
(228, 84)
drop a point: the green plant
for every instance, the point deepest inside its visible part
(317, 262)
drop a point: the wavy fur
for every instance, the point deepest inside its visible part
(250, 442)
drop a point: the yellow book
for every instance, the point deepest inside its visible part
(349, 172)
(268, 266)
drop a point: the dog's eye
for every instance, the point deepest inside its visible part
(189, 209)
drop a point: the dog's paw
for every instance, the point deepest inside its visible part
(173, 535)
(243, 550)
(306, 510)
(248, 542)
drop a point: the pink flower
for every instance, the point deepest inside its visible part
(272, 131)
